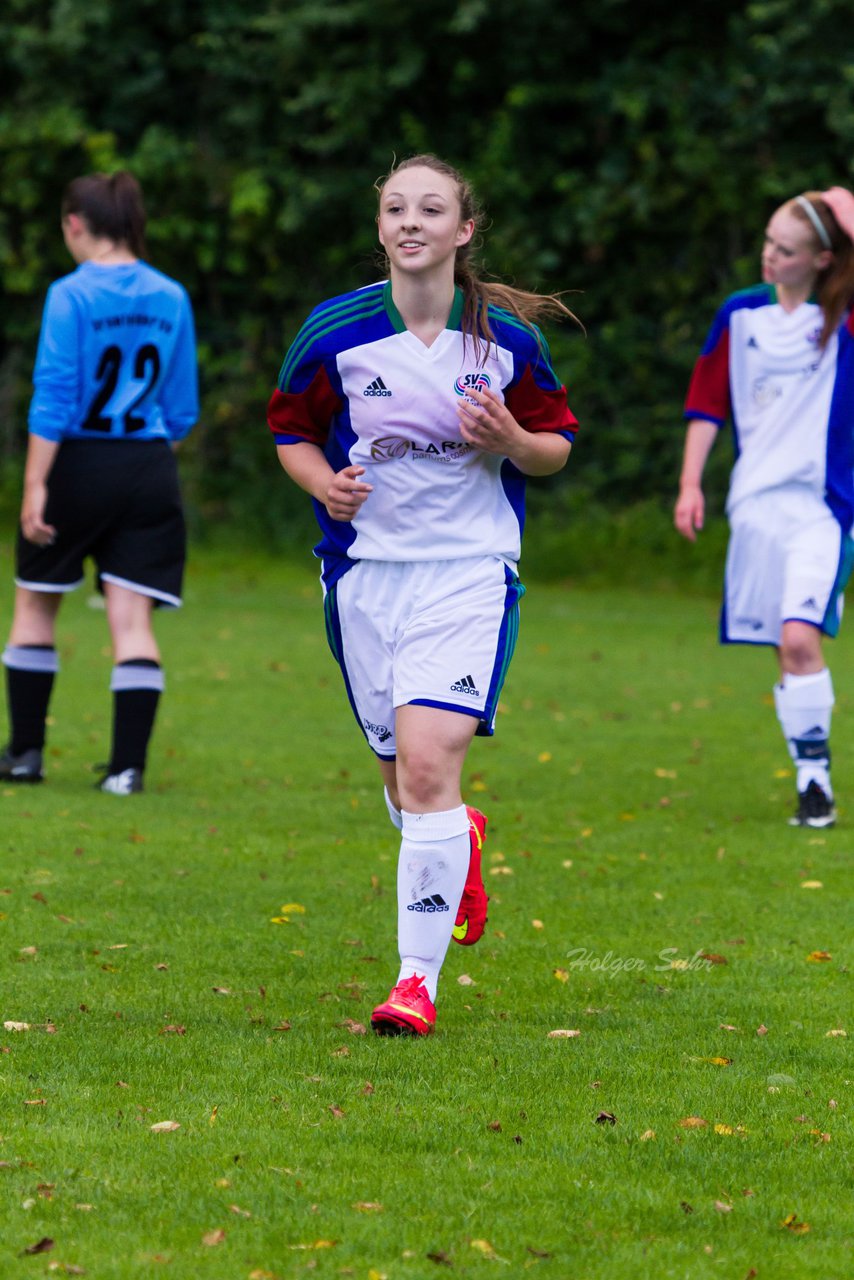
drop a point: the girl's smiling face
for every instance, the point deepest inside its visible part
(419, 220)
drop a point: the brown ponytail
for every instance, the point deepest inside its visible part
(111, 205)
(479, 294)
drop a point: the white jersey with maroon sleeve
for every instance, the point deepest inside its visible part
(792, 404)
(358, 384)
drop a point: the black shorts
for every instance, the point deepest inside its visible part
(120, 503)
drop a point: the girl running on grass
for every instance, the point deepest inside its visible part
(411, 411)
(780, 361)
(115, 386)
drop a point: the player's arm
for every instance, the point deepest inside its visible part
(689, 512)
(341, 492)
(490, 426)
(40, 456)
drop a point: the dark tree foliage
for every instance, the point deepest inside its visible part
(629, 150)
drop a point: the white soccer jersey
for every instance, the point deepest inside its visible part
(792, 405)
(357, 383)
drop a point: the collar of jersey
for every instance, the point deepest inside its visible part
(454, 319)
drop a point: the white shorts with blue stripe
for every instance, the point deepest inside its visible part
(788, 561)
(436, 633)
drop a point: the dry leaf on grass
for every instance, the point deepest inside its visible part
(465, 981)
(693, 1122)
(165, 1126)
(484, 1247)
(816, 957)
(790, 1222)
(722, 1206)
(41, 1246)
(368, 1206)
(836, 1031)
(606, 1117)
(212, 1238)
(562, 1034)
(241, 1213)
(355, 1028)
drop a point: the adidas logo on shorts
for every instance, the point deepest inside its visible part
(434, 903)
(466, 685)
(376, 388)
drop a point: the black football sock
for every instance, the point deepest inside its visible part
(136, 686)
(30, 672)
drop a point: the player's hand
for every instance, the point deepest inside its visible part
(690, 511)
(33, 524)
(488, 424)
(346, 493)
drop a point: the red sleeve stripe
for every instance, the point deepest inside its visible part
(536, 409)
(306, 414)
(708, 392)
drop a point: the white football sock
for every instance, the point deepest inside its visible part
(394, 814)
(804, 705)
(431, 876)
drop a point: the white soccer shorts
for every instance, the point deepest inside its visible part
(437, 633)
(788, 560)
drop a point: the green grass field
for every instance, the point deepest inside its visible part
(698, 1126)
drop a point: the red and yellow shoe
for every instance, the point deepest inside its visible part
(408, 1010)
(471, 917)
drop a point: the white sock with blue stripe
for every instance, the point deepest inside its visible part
(804, 705)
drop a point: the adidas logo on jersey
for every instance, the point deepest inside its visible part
(376, 388)
(466, 685)
(810, 603)
(434, 903)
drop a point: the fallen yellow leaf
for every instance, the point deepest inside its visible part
(292, 909)
(693, 1122)
(811, 884)
(212, 1238)
(836, 1031)
(165, 1126)
(562, 975)
(790, 1222)
(563, 1035)
(817, 956)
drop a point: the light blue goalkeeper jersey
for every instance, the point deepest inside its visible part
(116, 357)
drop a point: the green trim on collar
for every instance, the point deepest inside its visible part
(455, 319)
